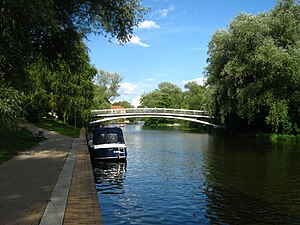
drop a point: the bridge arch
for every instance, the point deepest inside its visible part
(154, 116)
(196, 116)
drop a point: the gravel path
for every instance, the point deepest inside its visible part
(27, 180)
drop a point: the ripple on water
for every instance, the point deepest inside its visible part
(172, 177)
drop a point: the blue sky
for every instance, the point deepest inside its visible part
(170, 45)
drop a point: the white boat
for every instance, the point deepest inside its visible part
(107, 143)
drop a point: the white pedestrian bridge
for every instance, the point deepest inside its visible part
(198, 116)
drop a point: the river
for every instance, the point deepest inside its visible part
(176, 177)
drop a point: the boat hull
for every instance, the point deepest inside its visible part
(107, 153)
(107, 143)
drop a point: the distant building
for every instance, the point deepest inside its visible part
(117, 109)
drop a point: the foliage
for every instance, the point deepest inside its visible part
(195, 96)
(124, 104)
(10, 107)
(42, 54)
(167, 95)
(253, 70)
(46, 27)
(60, 87)
(282, 137)
(106, 87)
(277, 137)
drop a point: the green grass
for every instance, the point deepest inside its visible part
(279, 137)
(59, 127)
(283, 137)
(14, 141)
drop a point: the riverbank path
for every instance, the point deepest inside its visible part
(31, 181)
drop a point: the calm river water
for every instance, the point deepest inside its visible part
(175, 177)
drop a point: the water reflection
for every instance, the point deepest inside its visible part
(109, 176)
(250, 182)
(176, 177)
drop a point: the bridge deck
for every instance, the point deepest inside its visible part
(148, 111)
(198, 116)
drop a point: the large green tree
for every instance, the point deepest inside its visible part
(61, 87)
(195, 96)
(42, 53)
(124, 104)
(253, 70)
(48, 26)
(167, 95)
(105, 89)
(10, 106)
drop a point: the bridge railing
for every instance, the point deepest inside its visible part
(130, 111)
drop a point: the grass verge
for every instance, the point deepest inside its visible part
(59, 127)
(280, 137)
(14, 141)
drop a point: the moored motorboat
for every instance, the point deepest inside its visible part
(107, 143)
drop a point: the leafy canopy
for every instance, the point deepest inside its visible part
(253, 70)
(105, 89)
(44, 65)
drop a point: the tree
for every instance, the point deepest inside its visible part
(61, 87)
(253, 71)
(195, 96)
(106, 89)
(42, 53)
(167, 95)
(124, 104)
(10, 107)
(46, 27)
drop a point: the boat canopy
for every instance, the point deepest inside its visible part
(108, 135)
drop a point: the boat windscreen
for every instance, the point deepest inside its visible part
(106, 139)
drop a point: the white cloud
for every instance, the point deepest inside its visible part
(199, 80)
(132, 91)
(136, 101)
(165, 12)
(150, 79)
(128, 88)
(148, 24)
(137, 41)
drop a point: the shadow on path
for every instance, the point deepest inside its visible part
(27, 180)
